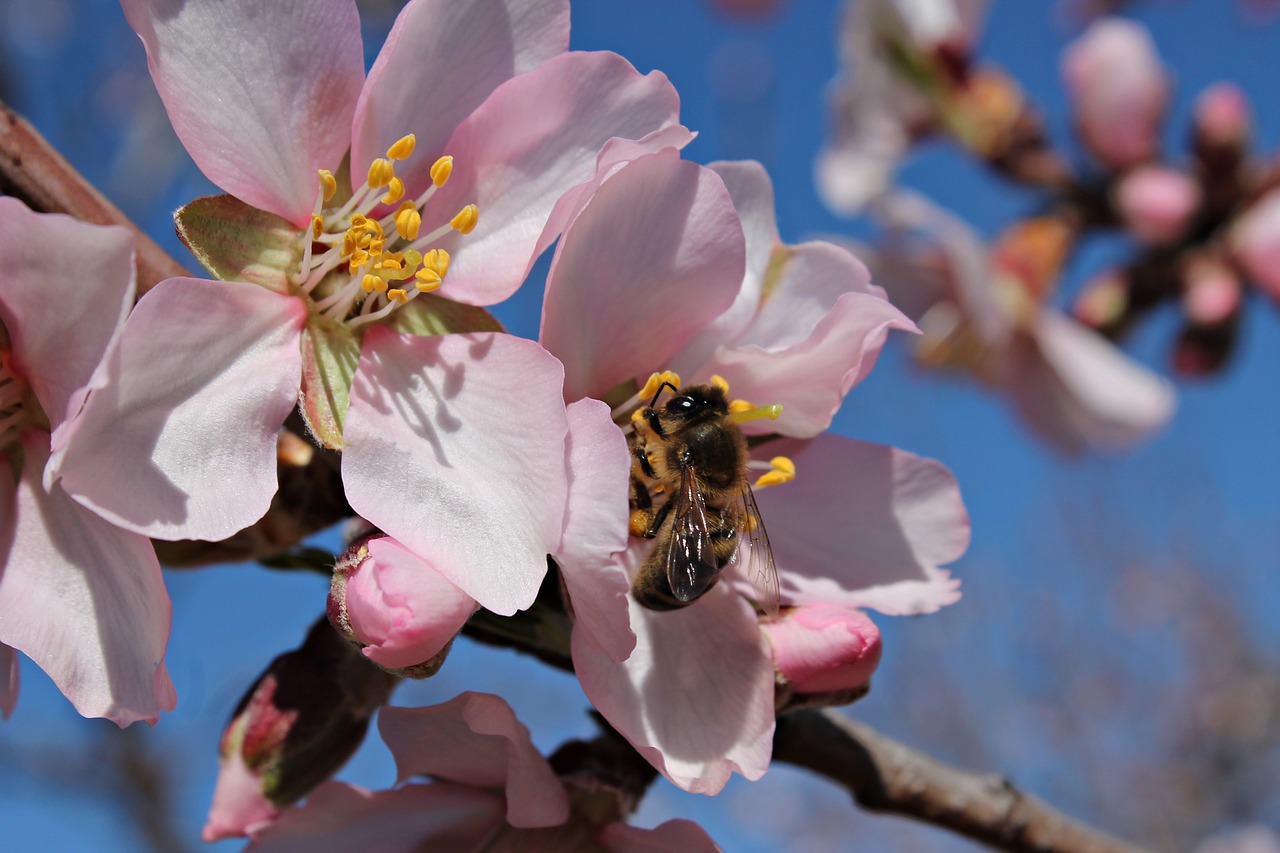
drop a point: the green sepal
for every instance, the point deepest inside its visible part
(236, 242)
(330, 356)
(430, 314)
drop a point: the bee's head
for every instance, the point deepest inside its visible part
(697, 403)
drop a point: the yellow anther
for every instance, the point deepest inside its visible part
(465, 221)
(376, 245)
(441, 170)
(395, 191)
(408, 221)
(637, 417)
(720, 382)
(317, 227)
(739, 406)
(403, 147)
(756, 413)
(782, 470)
(398, 295)
(380, 173)
(438, 260)
(371, 282)
(328, 184)
(389, 262)
(358, 259)
(656, 381)
(427, 279)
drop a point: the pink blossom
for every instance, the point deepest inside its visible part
(494, 792)
(1070, 384)
(1118, 89)
(1156, 204)
(1255, 242)
(79, 596)
(1222, 117)
(209, 371)
(824, 649)
(796, 325)
(876, 110)
(395, 605)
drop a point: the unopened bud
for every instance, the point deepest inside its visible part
(1156, 204)
(300, 722)
(824, 650)
(1222, 118)
(1103, 301)
(1118, 90)
(1211, 291)
(396, 607)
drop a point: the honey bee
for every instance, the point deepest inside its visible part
(692, 452)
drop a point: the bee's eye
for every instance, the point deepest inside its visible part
(684, 402)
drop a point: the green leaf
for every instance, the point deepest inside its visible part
(330, 355)
(430, 314)
(236, 242)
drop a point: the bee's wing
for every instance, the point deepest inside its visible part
(691, 559)
(759, 566)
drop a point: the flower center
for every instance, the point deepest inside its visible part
(367, 266)
(18, 410)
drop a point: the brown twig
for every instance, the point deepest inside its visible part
(34, 172)
(886, 776)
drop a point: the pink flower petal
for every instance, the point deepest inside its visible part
(696, 696)
(674, 836)
(261, 94)
(8, 680)
(83, 599)
(456, 447)
(864, 525)
(595, 528)
(658, 234)
(67, 289)
(1081, 391)
(476, 739)
(817, 336)
(239, 806)
(340, 818)
(441, 61)
(401, 608)
(533, 140)
(196, 389)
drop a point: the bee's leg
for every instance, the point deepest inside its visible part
(642, 457)
(655, 524)
(642, 511)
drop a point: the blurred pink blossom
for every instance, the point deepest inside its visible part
(78, 595)
(1156, 204)
(1222, 116)
(1118, 89)
(1071, 385)
(876, 110)
(1255, 242)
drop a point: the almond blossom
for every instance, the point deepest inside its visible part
(699, 281)
(471, 124)
(494, 792)
(985, 312)
(78, 595)
(898, 56)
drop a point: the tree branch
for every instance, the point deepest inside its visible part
(34, 172)
(886, 776)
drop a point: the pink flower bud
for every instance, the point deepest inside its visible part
(1222, 117)
(1255, 240)
(1103, 300)
(1118, 89)
(1156, 204)
(300, 722)
(396, 606)
(824, 648)
(1211, 292)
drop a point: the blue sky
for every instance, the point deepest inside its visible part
(1051, 535)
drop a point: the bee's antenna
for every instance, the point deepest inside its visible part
(658, 393)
